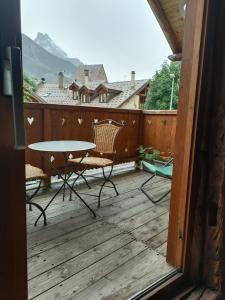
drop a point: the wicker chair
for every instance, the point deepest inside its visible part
(34, 173)
(105, 134)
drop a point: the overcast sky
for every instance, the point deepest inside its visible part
(121, 34)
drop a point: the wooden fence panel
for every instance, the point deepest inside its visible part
(45, 122)
(34, 130)
(60, 122)
(159, 128)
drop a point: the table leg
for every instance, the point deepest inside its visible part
(72, 187)
(76, 193)
(65, 182)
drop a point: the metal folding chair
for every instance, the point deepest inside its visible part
(165, 171)
(105, 134)
(34, 173)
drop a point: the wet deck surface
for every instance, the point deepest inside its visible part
(114, 256)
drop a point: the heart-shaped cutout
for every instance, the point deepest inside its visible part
(95, 120)
(126, 150)
(70, 156)
(63, 120)
(149, 122)
(52, 158)
(133, 121)
(80, 120)
(30, 120)
(110, 121)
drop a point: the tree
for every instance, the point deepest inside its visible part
(29, 85)
(160, 87)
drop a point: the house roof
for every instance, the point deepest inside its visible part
(108, 87)
(53, 95)
(96, 73)
(169, 14)
(127, 89)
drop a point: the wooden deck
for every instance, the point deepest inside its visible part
(114, 256)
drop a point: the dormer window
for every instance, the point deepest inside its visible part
(85, 98)
(74, 87)
(75, 95)
(103, 98)
(106, 92)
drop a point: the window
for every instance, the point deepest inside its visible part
(103, 98)
(85, 98)
(75, 95)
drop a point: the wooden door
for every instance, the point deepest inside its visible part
(187, 117)
(13, 270)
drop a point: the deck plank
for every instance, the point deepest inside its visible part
(60, 207)
(151, 228)
(111, 286)
(157, 240)
(87, 260)
(110, 257)
(81, 280)
(54, 256)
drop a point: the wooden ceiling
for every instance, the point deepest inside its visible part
(171, 21)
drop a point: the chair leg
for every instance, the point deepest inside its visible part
(148, 196)
(72, 187)
(113, 184)
(100, 192)
(106, 179)
(64, 190)
(41, 210)
(85, 180)
(30, 203)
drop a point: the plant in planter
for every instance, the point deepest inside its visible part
(151, 154)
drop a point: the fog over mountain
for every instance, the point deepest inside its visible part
(43, 58)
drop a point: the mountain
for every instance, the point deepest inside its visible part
(38, 62)
(49, 45)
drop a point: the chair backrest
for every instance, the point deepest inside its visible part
(105, 134)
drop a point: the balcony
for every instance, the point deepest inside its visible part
(123, 250)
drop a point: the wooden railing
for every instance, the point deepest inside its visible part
(58, 122)
(159, 128)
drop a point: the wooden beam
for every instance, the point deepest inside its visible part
(165, 25)
(180, 207)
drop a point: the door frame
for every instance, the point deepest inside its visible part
(184, 176)
(13, 262)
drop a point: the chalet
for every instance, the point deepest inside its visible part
(86, 91)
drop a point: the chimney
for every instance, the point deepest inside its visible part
(133, 79)
(41, 82)
(86, 77)
(61, 80)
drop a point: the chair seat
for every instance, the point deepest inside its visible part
(33, 172)
(166, 171)
(93, 161)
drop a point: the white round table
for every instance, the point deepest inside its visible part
(62, 146)
(65, 147)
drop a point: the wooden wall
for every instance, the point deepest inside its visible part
(60, 122)
(159, 128)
